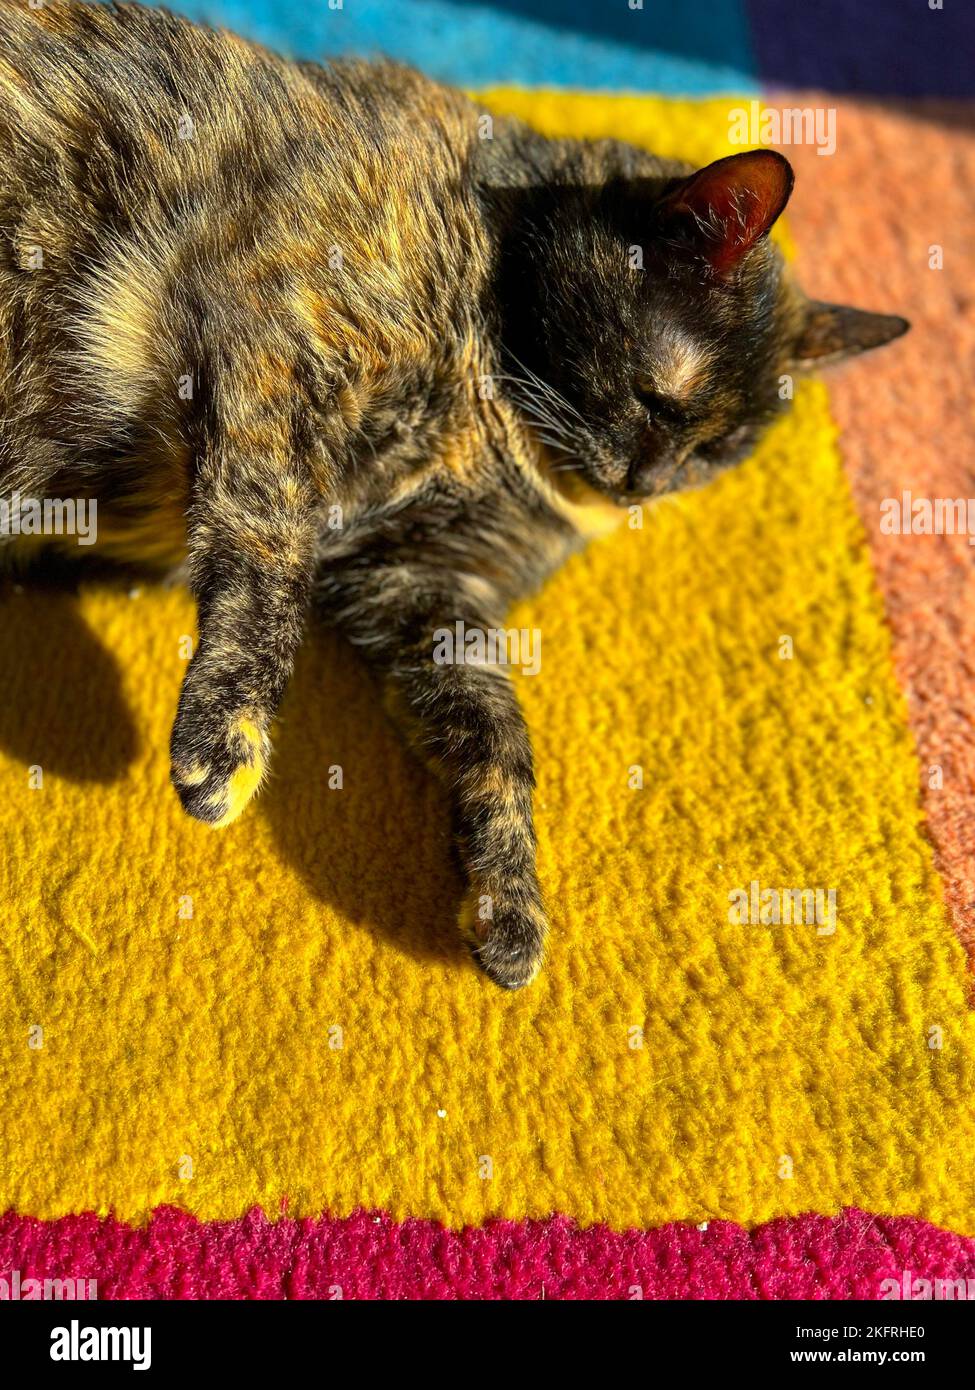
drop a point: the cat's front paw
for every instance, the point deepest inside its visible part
(509, 944)
(218, 763)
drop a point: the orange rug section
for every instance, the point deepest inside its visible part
(868, 223)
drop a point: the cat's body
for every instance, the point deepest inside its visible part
(274, 319)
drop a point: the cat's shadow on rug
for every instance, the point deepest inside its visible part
(366, 825)
(62, 706)
(372, 840)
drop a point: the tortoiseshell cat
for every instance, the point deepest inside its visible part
(244, 300)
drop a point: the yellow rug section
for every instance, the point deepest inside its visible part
(283, 1012)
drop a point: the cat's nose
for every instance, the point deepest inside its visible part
(659, 456)
(645, 473)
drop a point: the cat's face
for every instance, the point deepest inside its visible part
(659, 341)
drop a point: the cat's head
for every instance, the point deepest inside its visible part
(659, 329)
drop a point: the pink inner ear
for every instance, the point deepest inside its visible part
(733, 202)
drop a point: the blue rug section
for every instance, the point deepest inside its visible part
(667, 46)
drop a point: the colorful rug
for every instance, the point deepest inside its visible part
(260, 1063)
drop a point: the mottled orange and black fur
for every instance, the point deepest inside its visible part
(328, 336)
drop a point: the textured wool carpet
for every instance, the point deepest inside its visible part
(908, 174)
(267, 1066)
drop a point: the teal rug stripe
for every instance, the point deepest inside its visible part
(691, 49)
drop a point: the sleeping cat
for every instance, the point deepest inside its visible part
(331, 336)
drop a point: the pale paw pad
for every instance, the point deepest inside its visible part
(215, 783)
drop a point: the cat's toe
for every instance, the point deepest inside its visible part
(216, 776)
(510, 963)
(509, 948)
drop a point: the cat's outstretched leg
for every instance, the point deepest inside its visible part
(463, 719)
(467, 720)
(251, 539)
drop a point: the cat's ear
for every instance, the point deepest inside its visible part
(832, 332)
(725, 208)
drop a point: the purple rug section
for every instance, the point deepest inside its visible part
(894, 48)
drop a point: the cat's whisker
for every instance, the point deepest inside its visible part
(540, 422)
(542, 417)
(560, 438)
(521, 386)
(546, 387)
(556, 444)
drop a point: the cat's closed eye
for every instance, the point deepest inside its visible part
(657, 406)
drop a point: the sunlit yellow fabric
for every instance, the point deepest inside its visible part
(283, 1011)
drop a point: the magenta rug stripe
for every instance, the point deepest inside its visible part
(371, 1257)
